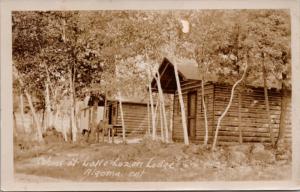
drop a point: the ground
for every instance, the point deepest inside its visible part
(146, 160)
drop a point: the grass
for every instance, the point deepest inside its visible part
(170, 162)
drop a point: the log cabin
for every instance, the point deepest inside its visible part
(253, 121)
(135, 116)
(135, 112)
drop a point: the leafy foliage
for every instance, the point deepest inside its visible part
(47, 44)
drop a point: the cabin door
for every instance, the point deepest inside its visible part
(192, 111)
(110, 114)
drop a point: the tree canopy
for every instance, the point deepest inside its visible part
(46, 45)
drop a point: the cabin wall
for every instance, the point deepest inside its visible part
(254, 121)
(254, 117)
(187, 87)
(135, 118)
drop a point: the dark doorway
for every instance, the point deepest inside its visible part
(110, 114)
(192, 113)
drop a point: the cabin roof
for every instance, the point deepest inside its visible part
(131, 100)
(188, 71)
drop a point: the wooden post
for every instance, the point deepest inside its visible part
(183, 116)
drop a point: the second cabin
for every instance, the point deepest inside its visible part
(253, 119)
(135, 110)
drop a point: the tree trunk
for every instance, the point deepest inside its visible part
(171, 120)
(240, 118)
(72, 109)
(183, 116)
(267, 102)
(35, 118)
(48, 107)
(122, 119)
(205, 112)
(163, 107)
(57, 112)
(227, 108)
(22, 112)
(32, 109)
(283, 112)
(64, 131)
(161, 123)
(152, 108)
(15, 126)
(148, 118)
(155, 119)
(43, 121)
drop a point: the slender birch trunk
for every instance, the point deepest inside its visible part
(171, 121)
(267, 101)
(155, 111)
(161, 123)
(183, 116)
(43, 121)
(22, 112)
(122, 119)
(49, 117)
(162, 101)
(35, 118)
(32, 109)
(151, 107)
(283, 111)
(15, 130)
(155, 119)
(63, 127)
(205, 112)
(57, 112)
(148, 118)
(227, 108)
(72, 109)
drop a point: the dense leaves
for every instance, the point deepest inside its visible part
(96, 45)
